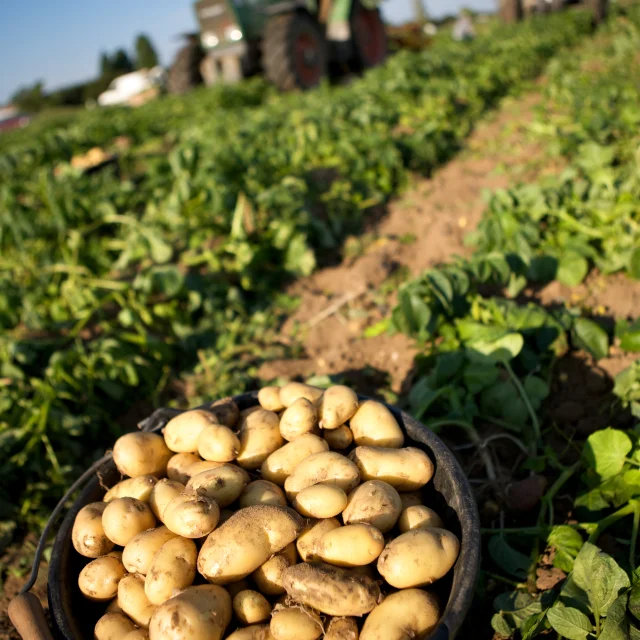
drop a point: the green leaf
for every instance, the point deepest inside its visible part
(534, 625)
(567, 543)
(537, 390)
(500, 624)
(616, 625)
(161, 251)
(299, 258)
(478, 376)
(606, 451)
(507, 558)
(502, 349)
(167, 280)
(592, 500)
(572, 269)
(630, 337)
(377, 329)
(569, 622)
(592, 337)
(634, 600)
(415, 314)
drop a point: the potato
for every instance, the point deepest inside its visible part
(411, 613)
(295, 623)
(246, 541)
(374, 502)
(268, 577)
(281, 463)
(236, 587)
(374, 425)
(198, 613)
(327, 467)
(419, 517)
(88, 536)
(203, 465)
(116, 553)
(99, 579)
(178, 467)
(138, 634)
(331, 590)
(182, 432)
(410, 499)
(218, 443)
(251, 607)
(337, 405)
(112, 626)
(300, 418)
(269, 399)
(340, 438)
(191, 515)
(141, 454)
(405, 469)
(226, 411)
(139, 552)
(172, 569)
(294, 390)
(125, 518)
(224, 484)
(162, 494)
(342, 629)
(259, 437)
(262, 492)
(418, 557)
(133, 600)
(320, 501)
(353, 545)
(309, 538)
(114, 607)
(139, 488)
(254, 632)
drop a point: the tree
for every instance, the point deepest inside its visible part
(30, 98)
(146, 56)
(106, 66)
(420, 12)
(121, 63)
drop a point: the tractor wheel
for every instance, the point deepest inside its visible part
(511, 10)
(369, 37)
(294, 51)
(184, 73)
(598, 9)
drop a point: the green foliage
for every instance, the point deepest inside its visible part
(146, 56)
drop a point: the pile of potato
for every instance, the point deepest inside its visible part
(296, 519)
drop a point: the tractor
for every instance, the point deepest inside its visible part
(294, 43)
(515, 10)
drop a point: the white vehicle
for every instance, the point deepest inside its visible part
(123, 88)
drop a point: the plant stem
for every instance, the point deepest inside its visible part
(525, 398)
(513, 583)
(634, 537)
(612, 519)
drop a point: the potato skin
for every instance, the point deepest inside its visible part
(327, 467)
(113, 626)
(331, 590)
(88, 536)
(99, 579)
(300, 418)
(269, 399)
(259, 437)
(342, 629)
(133, 600)
(202, 612)
(309, 539)
(291, 391)
(268, 577)
(253, 632)
(224, 484)
(179, 465)
(353, 545)
(191, 515)
(281, 463)
(419, 517)
(262, 492)
(125, 518)
(139, 488)
(411, 613)
(338, 439)
(141, 454)
(374, 425)
(251, 607)
(162, 494)
(410, 499)
(320, 501)
(374, 502)
(138, 634)
(182, 432)
(139, 552)
(337, 405)
(172, 569)
(405, 469)
(295, 623)
(418, 557)
(246, 541)
(218, 443)
(226, 411)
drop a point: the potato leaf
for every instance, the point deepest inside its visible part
(592, 337)
(569, 622)
(606, 451)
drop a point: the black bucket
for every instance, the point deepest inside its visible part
(74, 617)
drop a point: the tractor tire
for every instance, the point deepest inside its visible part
(294, 51)
(511, 11)
(368, 36)
(599, 9)
(184, 74)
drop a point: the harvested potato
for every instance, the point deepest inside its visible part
(262, 492)
(172, 569)
(418, 557)
(254, 632)
(178, 467)
(116, 553)
(294, 390)
(236, 587)
(410, 499)
(139, 488)
(113, 606)
(353, 545)
(246, 541)
(113, 626)
(139, 552)
(218, 443)
(191, 515)
(337, 405)
(295, 623)
(268, 577)
(99, 579)
(419, 517)
(138, 634)
(125, 518)
(162, 494)
(411, 613)
(203, 465)
(374, 502)
(300, 418)
(259, 437)
(182, 432)
(224, 484)
(340, 438)
(226, 411)
(405, 469)
(342, 629)
(133, 600)
(320, 501)
(141, 454)
(327, 467)
(88, 536)
(309, 538)
(281, 463)
(269, 399)
(251, 607)
(198, 613)
(374, 425)
(331, 590)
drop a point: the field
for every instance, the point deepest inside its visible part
(235, 237)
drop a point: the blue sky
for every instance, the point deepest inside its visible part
(59, 42)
